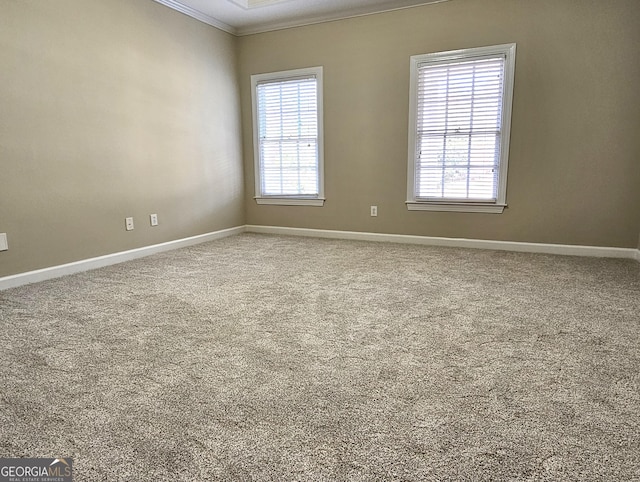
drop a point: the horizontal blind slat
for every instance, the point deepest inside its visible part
(288, 136)
(459, 108)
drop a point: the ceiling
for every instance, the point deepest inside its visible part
(244, 17)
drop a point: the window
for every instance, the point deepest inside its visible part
(459, 123)
(287, 137)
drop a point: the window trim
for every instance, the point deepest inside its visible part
(294, 200)
(497, 207)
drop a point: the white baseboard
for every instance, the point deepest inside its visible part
(115, 258)
(562, 249)
(109, 259)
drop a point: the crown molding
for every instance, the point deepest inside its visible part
(198, 15)
(330, 17)
(277, 25)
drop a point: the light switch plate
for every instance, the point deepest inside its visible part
(4, 245)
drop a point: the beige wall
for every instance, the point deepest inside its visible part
(115, 108)
(574, 170)
(108, 109)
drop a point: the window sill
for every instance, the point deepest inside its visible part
(456, 207)
(290, 201)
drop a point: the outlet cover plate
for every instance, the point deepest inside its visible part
(4, 245)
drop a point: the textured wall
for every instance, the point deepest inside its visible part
(574, 169)
(113, 108)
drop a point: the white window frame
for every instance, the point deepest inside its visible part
(294, 200)
(497, 207)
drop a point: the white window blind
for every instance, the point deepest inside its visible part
(287, 112)
(459, 128)
(462, 104)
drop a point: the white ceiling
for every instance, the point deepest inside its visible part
(244, 17)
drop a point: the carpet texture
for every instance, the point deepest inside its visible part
(262, 357)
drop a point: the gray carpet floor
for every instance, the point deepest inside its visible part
(262, 357)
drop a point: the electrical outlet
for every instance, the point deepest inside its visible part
(154, 219)
(374, 211)
(129, 224)
(3, 242)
